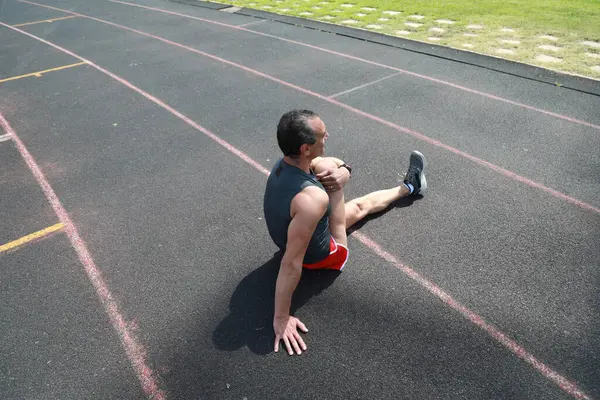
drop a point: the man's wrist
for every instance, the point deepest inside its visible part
(349, 168)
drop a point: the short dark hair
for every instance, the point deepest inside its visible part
(294, 130)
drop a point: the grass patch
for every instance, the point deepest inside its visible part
(555, 34)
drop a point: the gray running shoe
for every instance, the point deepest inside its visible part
(415, 174)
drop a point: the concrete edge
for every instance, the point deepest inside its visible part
(205, 4)
(514, 68)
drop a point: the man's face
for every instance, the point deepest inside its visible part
(320, 130)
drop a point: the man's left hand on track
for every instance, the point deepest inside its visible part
(286, 329)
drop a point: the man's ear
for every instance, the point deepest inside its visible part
(305, 149)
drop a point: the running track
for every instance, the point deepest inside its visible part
(134, 146)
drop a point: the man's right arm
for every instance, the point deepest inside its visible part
(308, 207)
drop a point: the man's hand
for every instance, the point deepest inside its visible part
(334, 179)
(286, 329)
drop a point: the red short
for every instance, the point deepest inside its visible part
(338, 255)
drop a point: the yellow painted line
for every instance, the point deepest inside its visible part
(39, 73)
(46, 20)
(30, 237)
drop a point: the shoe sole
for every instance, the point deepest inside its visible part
(422, 173)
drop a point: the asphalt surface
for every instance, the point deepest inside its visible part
(173, 220)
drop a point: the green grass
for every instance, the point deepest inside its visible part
(570, 22)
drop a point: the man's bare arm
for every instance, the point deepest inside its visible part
(330, 173)
(308, 207)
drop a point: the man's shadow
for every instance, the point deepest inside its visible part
(250, 319)
(251, 308)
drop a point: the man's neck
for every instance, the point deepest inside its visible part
(299, 162)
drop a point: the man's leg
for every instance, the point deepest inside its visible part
(357, 209)
(344, 215)
(337, 217)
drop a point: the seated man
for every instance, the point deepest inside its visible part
(306, 215)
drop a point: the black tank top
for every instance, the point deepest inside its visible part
(285, 182)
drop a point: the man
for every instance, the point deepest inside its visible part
(306, 215)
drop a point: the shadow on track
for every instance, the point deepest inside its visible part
(250, 319)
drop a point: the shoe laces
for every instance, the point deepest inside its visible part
(412, 174)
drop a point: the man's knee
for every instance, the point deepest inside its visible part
(357, 209)
(324, 163)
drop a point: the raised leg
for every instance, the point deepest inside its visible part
(344, 215)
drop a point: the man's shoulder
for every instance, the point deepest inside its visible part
(276, 168)
(311, 198)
